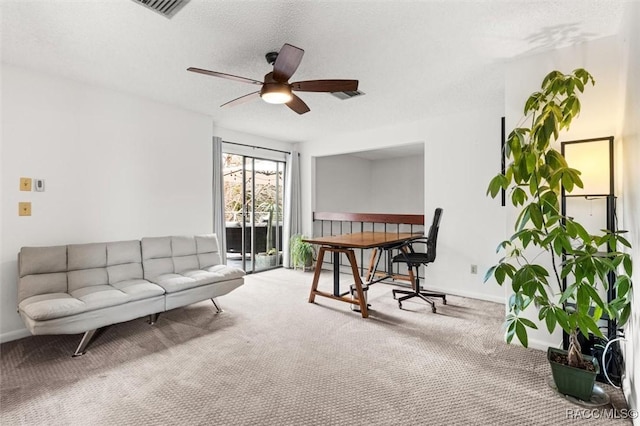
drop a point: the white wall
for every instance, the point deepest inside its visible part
(116, 167)
(599, 116)
(343, 184)
(631, 189)
(397, 186)
(461, 156)
(348, 183)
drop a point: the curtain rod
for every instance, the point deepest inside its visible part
(256, 147)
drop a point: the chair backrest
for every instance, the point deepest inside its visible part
(432, 237)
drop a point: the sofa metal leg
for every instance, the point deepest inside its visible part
(218, 309)
(86, 339)
(153, 318)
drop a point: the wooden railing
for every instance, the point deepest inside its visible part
(331, 223)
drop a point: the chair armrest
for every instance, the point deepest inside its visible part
(410, 244)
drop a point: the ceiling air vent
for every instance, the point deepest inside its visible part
(166, 8)
(347, 95)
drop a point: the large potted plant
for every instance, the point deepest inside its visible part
(542, 237)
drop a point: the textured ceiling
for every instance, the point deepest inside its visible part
(413, 59)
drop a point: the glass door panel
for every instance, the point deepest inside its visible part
(254, 193)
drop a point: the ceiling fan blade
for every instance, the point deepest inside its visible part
(242, 99)
(223, 75)
(325, 86)
(287, 62)
(298, 105)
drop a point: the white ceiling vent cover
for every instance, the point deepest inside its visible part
(166, 8)
(347, 95)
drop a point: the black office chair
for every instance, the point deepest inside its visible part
(414, 259)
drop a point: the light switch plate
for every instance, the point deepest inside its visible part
(24, 209)
(25, 184)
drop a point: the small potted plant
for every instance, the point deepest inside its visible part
(534, 179)
(302, 253)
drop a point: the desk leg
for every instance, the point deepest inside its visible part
(336, 273)
(372, 260)
(316, 275)
(358, 282)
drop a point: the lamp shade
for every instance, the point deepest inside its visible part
(276, 93)
(591, 158)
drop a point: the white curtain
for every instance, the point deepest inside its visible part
(293, 207)
(218, 198)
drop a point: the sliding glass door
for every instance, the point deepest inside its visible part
(253, 211)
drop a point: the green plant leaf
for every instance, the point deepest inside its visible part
(563, 319)
(575, 177)
(503, 245)
(550, 128)
(536, 215)
(583, 298)
(622, 285)
(550, 320)
(623, 240)
(510, 324)
(567, 181)
(521, 332)
(593, 294)
(532, 103)
(518, 196)
(597, 313)
(528, 323)
(549, 78)
(583, 325)
(500, 274)
(571, 228)
(489, 273)
(582, 232)
(592, 326)
(624, 316)
(628, 266)
(497, 183)
(523, 218)
(568, 293)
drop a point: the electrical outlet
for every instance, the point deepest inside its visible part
(24, 209)
(474, 269)
(25, 184)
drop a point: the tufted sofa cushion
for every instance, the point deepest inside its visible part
(92, 276)
(180, 263)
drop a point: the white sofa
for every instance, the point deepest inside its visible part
(80, 288)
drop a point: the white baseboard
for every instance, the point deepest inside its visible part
(14, 335)
(469, 294)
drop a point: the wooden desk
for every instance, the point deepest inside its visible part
(345, 244)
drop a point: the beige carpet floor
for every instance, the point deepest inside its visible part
(271, 358)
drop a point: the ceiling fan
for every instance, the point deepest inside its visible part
(276, 88)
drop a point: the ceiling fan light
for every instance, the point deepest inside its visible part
(276, 93)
